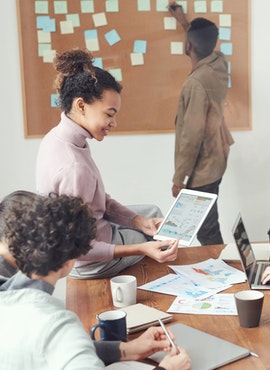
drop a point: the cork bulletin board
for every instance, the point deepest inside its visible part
(141, 45)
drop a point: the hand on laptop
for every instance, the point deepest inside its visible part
(266, 276)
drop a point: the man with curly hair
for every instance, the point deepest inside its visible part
(45, 237)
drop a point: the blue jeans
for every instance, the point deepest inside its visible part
(209, 233)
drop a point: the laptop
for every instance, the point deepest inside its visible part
(186, 216)
(206, 351)
(251, 266)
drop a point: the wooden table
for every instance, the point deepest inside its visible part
(89, 297)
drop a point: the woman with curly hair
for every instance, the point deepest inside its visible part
(90, 100)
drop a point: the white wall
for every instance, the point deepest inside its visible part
(138, 169)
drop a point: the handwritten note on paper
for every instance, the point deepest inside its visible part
(218, 304)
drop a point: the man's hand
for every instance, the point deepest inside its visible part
(176, 190)
(177, 12)
(151, 341)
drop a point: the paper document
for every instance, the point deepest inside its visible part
(180, 285)
(212, 273)
(218, 304)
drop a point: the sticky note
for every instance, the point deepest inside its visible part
(60, 7)
(229, 82)
(139, 46)
(92, 44)
(41, 7)
(98, 62)
(183, 4)
(143, 5)
(216, 6)
(225, 20)
(162, 6)
(200, 7)
(224, 33)
(66, 27)
(42, 48)
(177, 48)
(48, 56)
(116, 73)
(99, 19)
(54, 100)
(43, 37)
(91, 40)
(112, 37)
(74, 18)
(229, 67)
(136, 59)
(226, 48)
(169, 23)
(87, 6)
(112, 6)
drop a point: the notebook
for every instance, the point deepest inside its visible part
(206, 351)
(251, 266)
(186, 216)
(140, 316)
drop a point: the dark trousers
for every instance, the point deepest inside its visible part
(209, 232)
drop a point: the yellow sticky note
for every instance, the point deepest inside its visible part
(92, 44)
(44, 37)
(136, 59)
(66, 27)
(169, 23)
(48, 56)
(225, 20)
(177, 48)
(99, 19)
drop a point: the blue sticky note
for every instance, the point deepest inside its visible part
(42, 21)
(162, 6)
(98, 62)
(90, 34)
(112, 37)
(226, 48)
(139, 46)
(54, 100)
(224, 33)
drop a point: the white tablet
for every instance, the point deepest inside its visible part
(186, 216)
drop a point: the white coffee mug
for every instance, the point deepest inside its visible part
(124, 290)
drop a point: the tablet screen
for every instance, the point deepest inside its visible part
(186, 216)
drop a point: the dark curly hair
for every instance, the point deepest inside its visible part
(19, 197)
(45, 234)
(79, 78)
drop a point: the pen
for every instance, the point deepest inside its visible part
(253, 354)
(168, 335)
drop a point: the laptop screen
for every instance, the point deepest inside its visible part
(243, 244)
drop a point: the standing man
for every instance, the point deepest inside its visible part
(202, 139)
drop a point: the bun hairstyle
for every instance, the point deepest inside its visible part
(78, 77)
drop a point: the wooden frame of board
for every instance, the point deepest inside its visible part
(138, 44)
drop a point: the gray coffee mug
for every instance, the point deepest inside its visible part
(112, 326)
